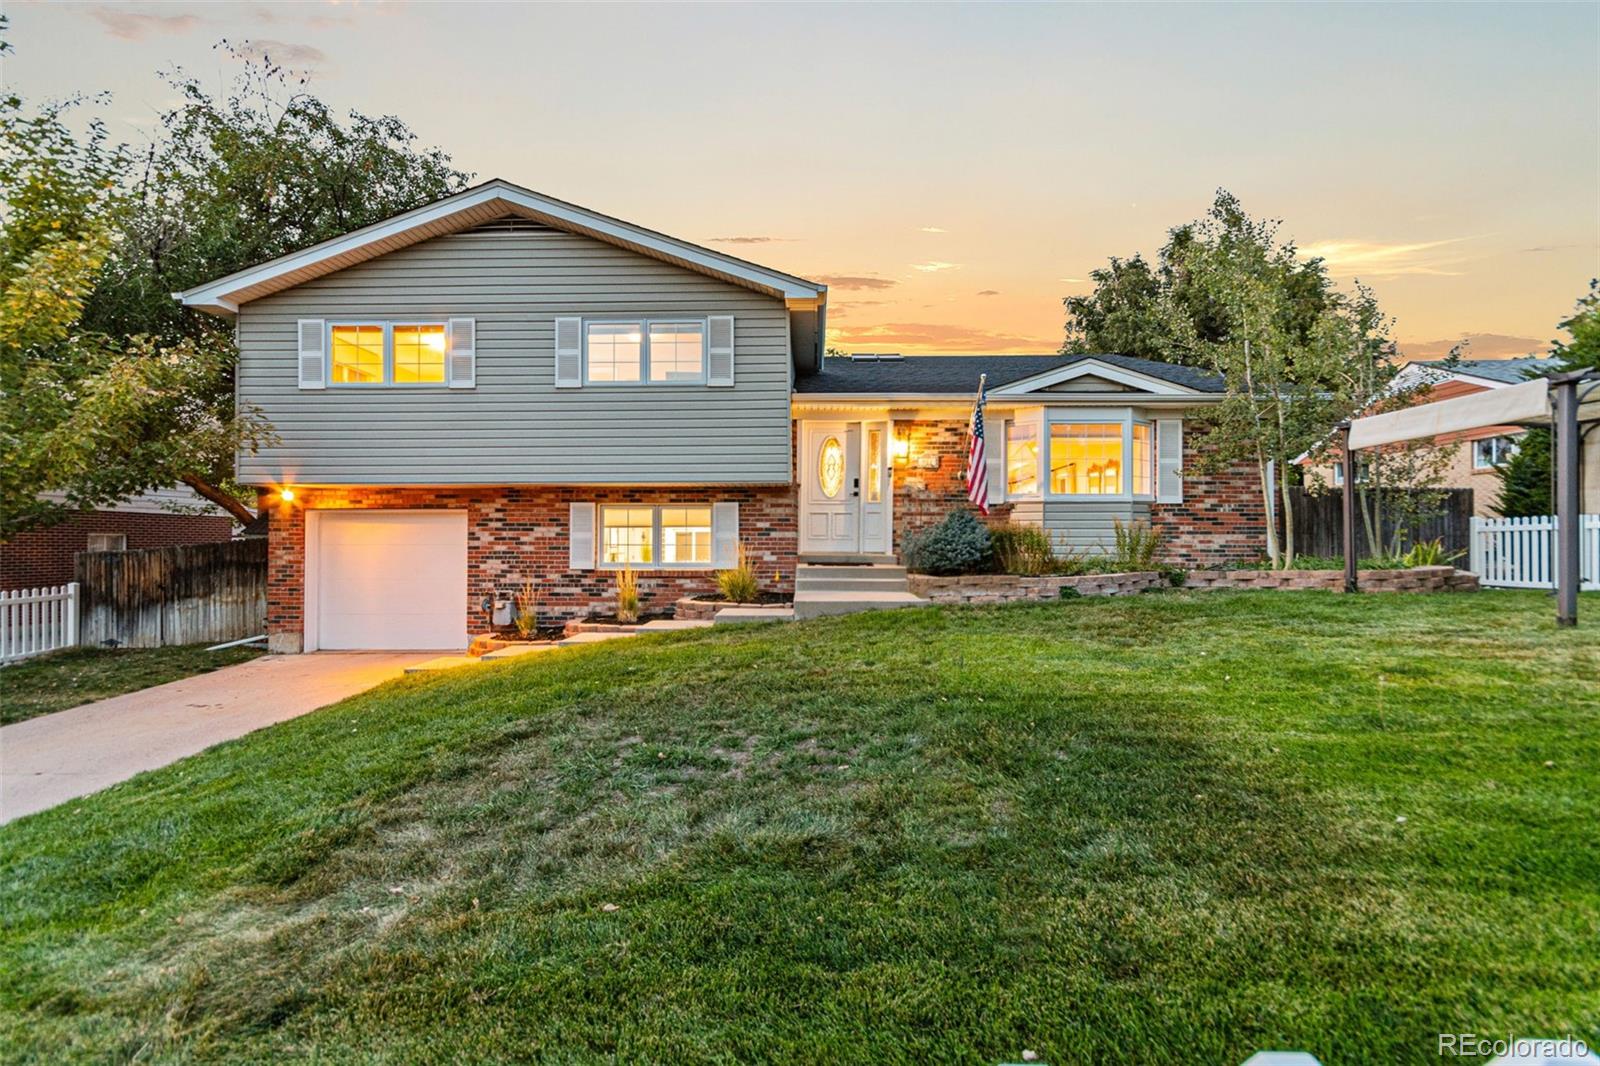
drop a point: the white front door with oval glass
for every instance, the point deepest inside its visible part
(845, 487)
(830, 476)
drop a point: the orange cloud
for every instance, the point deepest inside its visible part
(1474, 346)
(135, 26)
(749, 240)
(1348, 258)
(932, 337)
(855, 281)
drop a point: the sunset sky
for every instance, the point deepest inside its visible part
(952, 172)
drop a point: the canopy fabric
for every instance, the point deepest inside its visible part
(1514, 404)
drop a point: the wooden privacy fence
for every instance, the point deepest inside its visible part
(1520, 552)
(1319, 526)
(35, 621)
(189, 594)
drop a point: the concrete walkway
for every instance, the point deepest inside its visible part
(57, 757)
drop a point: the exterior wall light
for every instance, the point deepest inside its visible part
(286, 495)
(902, 448)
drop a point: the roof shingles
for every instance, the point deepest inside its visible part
(935, 374)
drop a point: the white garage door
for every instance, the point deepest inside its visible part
(391, 579)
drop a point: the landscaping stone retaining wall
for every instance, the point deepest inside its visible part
(1010, 588)
(1416, 579)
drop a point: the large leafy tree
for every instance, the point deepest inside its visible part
(1525, 479)
(109, 387)
(1159, 311)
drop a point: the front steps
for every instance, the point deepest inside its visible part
(829, 588)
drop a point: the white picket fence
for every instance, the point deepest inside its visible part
(1520, 552)
(34, 621)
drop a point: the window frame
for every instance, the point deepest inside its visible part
(1123, 416)
(1507, 443)
(1038, 425)
(387, 325)
(703, 321)
(88, 543)
(656, 543)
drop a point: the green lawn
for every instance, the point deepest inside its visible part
(1161, 829)
(68, 678)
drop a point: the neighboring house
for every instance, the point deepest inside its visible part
(501, 388)
(46, 557)
(1474, 456)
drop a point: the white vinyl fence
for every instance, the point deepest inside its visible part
(1520, 552)
(34, 621)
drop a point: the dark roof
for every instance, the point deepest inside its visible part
(1508, 371)
(923, 374)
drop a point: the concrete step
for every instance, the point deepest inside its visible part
(850, 583)
(841, 559)
(739, 615)
(805, 570)
(819, 604)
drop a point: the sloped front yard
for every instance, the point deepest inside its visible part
(1174, 827)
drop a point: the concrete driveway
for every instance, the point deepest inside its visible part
(56, 757)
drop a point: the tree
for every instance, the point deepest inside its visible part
(1159, 312)
(1525, 479)
(110, 388)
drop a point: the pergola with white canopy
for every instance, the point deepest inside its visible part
(1570, 403)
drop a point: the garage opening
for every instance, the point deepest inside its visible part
(386, 580)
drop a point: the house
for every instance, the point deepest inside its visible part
(504, 388)
(46, 557)
(1475, 455)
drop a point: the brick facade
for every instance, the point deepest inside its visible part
(932, 482)
(1222, 518)
(45, 557)
(518, 534)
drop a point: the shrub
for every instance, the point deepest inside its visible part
(739, 584)
(627, 596)
(958, 545)
(1429, 553)
(527, 617)
(1138, 545)
(1023, 550)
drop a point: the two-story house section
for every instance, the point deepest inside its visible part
(501, 388)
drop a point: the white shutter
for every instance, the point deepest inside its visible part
(313, 354)
(461, 362)
(580, 536)
(719, 350)
(725, 535)
(1169, 460)
(569, 353)
(994, 452)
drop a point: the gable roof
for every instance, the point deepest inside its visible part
(484, 203)
(1500, 371)
(958, 374)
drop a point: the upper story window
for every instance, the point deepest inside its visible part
(1086, 458)
(383, 353)
(660, 351)
(1492, 452)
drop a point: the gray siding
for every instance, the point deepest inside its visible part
(515, 427)
(1088, 527)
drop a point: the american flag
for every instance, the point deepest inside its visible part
(977, 459)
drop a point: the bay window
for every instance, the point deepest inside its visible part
(1086, 458)
(633, 352)
(1143, 460)
(1022, 458)
(655, 537)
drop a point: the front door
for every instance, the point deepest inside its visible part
(830, 495)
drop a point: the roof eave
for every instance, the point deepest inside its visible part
(221, 296)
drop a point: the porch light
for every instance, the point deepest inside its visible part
(902, 447)
(286, 495)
